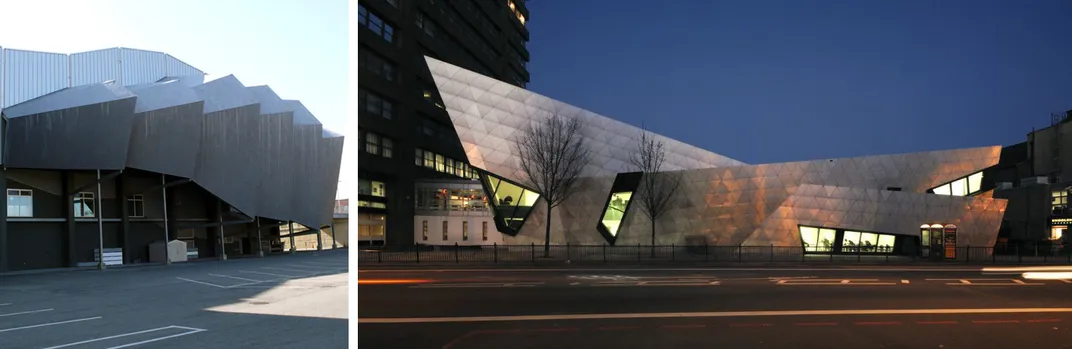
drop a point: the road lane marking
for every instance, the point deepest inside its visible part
(760, 313)
(752, 325)
(285, 269)
(313, 267)
(684, 326)
(192, 331)
(839, 282)
(48, 324)
(1044, 320)
(995, 321)
(976, 282)
(201, 282)
(4, 304)
(27, 312)
(237, 278)
(876, 323)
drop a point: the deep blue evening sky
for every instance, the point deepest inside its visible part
(769, 81)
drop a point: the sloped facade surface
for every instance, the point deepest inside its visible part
(722, 201)
(124, 108)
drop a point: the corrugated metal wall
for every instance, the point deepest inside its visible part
(143, 67)
(30, 74)
(25, 75)
(95, 67)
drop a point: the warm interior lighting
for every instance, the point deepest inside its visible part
(1048, 275)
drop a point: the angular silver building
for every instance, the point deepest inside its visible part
(119, 148)
(893, 204)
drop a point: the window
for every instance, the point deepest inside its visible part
(388, 147)
(376, 64)
(818, 239)
(83, 205)
(513, 8)
(19, 203)
(371, 204)
(376, 105)
(428, 96)
(374, 23)
(465, 230)
(429, 159)
(418, 157)
(1059, 199)
(372, 143)
(512, 203)
(393, 3)
(424, 230)
(444, 230)
(612, 216)
(379, 189)
(440, 163)
(484, 230)
(426, 24)
(136, 206)
(964, 186)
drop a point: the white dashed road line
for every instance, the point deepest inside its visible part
(27, 312)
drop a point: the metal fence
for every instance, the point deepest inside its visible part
(647, 254)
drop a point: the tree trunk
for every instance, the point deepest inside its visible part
(652, 237)
(547, 234)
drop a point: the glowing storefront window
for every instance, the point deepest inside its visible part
(827, 237)
(969, 185)
(612, 217)
(959, 187)
(975, 182)
(809, 235)
(942, 190)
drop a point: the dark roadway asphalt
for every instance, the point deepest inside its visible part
(671, 309)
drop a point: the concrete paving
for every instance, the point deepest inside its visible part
(667, 308)
(290, 301)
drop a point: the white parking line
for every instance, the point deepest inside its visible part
(192, 331)
(4, 304)
(27, 312)
(269, 274)
(285, 269)
(48, 324)
(236, 278)
(310, 267)
(201, 282)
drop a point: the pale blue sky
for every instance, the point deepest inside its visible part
(299, 48)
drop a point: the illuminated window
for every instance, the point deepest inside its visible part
(612, 216)
(379, 189)
(372, 143)
(484, 230)
(363, 203)
(84, 205)
(809, 236)
(511, 202)
(424, 230)
(965, 186)
(465, 230)
(19, 203)
(444, 230)
(1059, 199)
(429, 159)
(440, 163)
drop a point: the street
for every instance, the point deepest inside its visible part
(705, 307)
(286, 301)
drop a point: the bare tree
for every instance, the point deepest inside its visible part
(657, 188)
(553, 155)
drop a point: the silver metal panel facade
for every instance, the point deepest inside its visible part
(722, 200)
(142, 67)
(30, 74)
(95, 67)
(176, 67)
(214, 133)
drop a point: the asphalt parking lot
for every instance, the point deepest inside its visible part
(288, 301)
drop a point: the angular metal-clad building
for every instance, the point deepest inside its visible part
(120, 148)
(892, 204)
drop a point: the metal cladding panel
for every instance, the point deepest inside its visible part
(302, 116)
(488, 116)
(95, 67)
(330, 162)
(227, 163)
(176, 67)
(30, 74)
(224, 93)
(142, 67)
(162, 95)
(69, 98)
(304, 189)
(276, 138)
(167, 140)
(188, 81)
(88, 137)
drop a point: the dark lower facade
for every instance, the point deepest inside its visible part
(52, 219)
